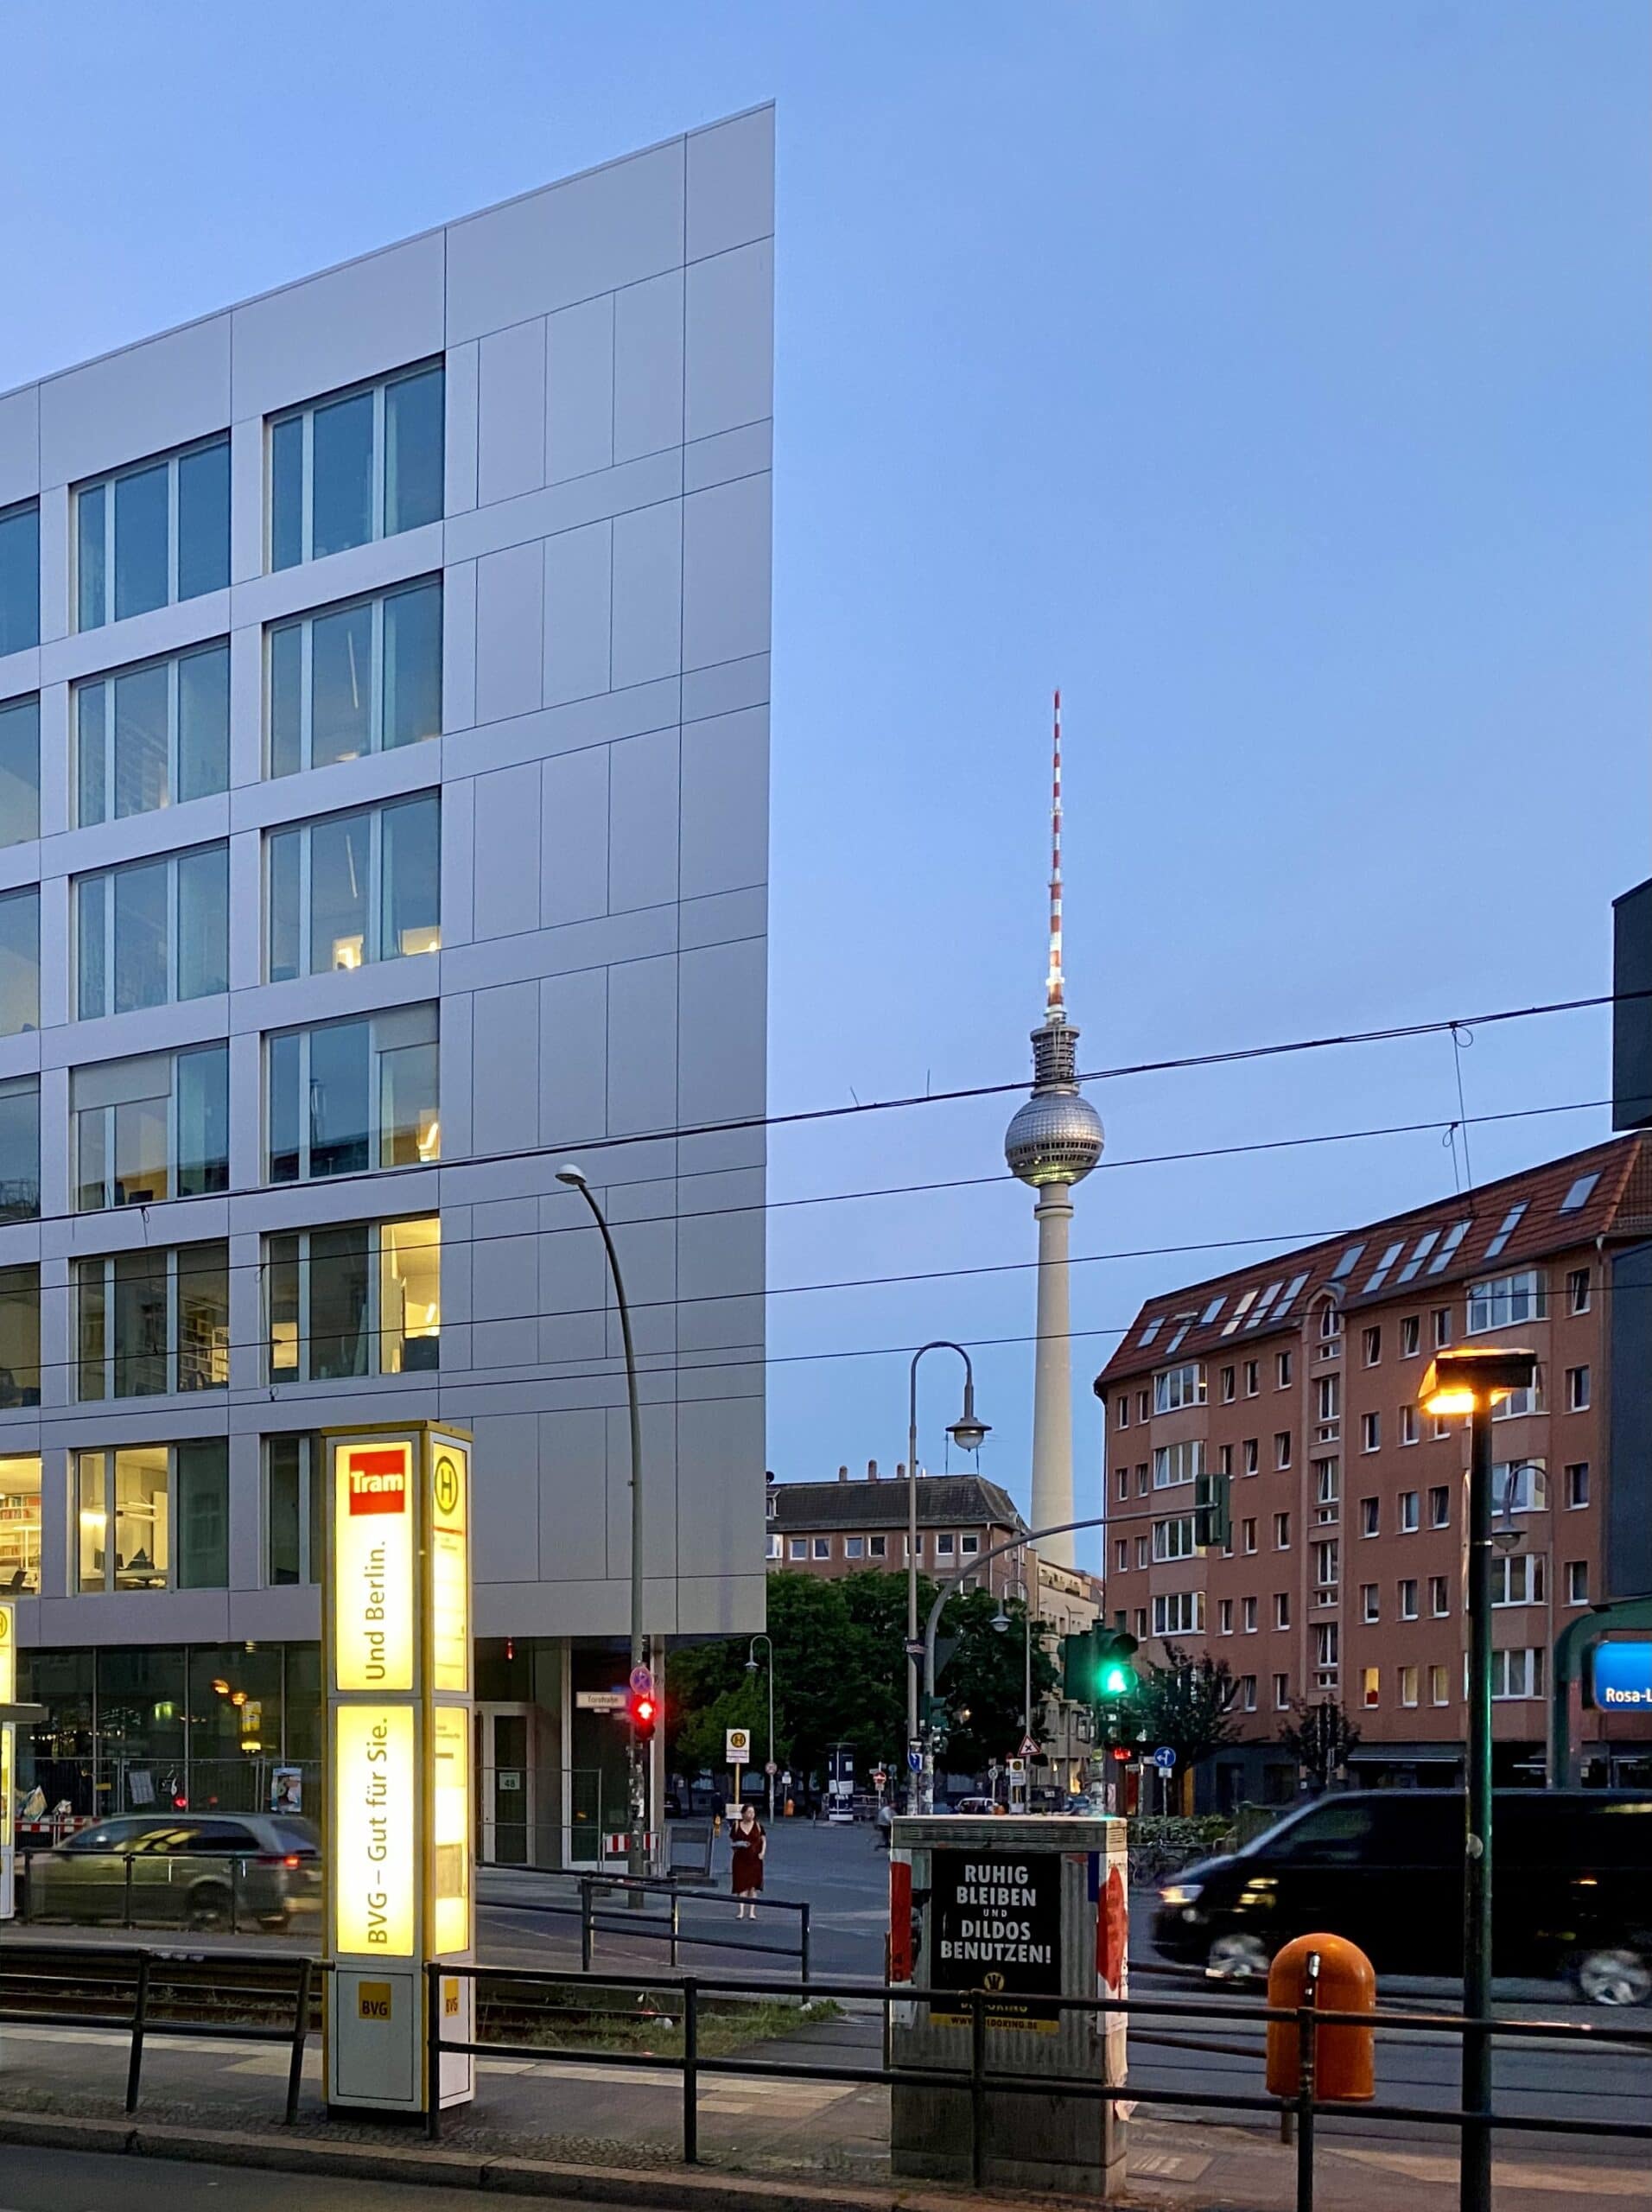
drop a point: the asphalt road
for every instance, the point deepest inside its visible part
(843, 1874)
(82, 2181)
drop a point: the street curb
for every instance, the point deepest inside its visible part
(665, 2188)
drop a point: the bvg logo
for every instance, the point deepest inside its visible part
(378, 1482)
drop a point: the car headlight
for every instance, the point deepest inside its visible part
(1181, 1893)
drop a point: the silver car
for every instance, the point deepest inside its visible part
(186, 1870)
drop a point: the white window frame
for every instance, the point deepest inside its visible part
(106, 484)
(305, 414)
(108, 678)
(372, 951)
(305, 625)
(1579, 1389)
(76, 1113)
(1174, 1539)
(104, 1262)
(1506, 1301)
(312, 1473)
(391, 1015)
(107, 877)
(1174, 1388)
(1165, 1457)
(108, 1454)
(373, 1326)
(1189, 1606)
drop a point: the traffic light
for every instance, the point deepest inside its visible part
(642, 1709)
(1097, 1667)
(1213, 1518)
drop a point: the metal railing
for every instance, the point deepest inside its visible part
(664, 1927)
(241, 1893)
(979, 2082)
(53, 1974)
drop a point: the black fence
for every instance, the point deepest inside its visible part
(233, 1996)
(662, 1921)
(978, 2081)
(240, 1893)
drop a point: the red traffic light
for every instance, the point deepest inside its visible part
(642, 1707)
(1122, 1752)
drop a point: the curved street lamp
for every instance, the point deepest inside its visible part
(968, 1435)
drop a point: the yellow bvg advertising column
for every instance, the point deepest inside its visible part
(399, 1646)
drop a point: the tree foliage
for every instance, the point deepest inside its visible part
(1319, 1738)
(840, 1676)
(1187, 1704)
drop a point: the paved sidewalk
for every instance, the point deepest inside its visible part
(625, 2121)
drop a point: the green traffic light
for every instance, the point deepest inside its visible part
(1117, 1680)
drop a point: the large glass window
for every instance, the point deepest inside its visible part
(20, 1148)
(355, 887)
(150, 1128)
(20, 1523)
(153, 735)
(19, 577)
(19, 1336)
(363, 1299)
(153, 1321)
(294, 1487)
(1505, 1301)
(19, 771)
(153, 1516)
(19, 962)
(351, 1095)
(153, 534)
(152, 931)
(364, 677)
(356, 466)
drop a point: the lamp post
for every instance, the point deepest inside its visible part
(968, 1433)
(1000, 1622)
(1471, 1382)
(638, 1855)
(763, 1636)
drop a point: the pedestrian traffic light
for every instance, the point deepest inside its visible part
(1213, 1518)
(642, 1708)
(1117, 1676)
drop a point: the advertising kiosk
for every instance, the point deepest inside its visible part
(1022, 1910)
(396, 1631)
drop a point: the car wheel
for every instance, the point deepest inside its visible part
(1237, 1958)
(209, 1906)
(1614, 1977)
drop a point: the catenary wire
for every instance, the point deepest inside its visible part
(385, 1179)
(747, 1123)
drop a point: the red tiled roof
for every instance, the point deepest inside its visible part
(1618, 1203)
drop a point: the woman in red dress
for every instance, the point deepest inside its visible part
(749, 1844)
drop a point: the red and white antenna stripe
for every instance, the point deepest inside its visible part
(1054, 1002)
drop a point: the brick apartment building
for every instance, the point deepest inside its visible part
(847, 1526)
(1298, 1377)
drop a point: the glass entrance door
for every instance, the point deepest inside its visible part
(504, 1755)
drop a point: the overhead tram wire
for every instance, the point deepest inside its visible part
(386, 1179)
(746, 1124)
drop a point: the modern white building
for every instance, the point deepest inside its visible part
(384, 736)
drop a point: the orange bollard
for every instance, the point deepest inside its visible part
(1344, 2058)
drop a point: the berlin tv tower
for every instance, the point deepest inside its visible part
(1053, 1141)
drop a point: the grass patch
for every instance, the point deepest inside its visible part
(726, 2026)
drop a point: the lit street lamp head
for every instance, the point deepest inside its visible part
(1467, 1380)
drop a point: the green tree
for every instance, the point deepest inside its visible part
(1186, 1703)
(986, 1677)
(1319, 1737)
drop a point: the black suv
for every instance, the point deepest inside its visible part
(1570, 1891)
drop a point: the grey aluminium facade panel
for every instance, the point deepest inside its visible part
(602, 773)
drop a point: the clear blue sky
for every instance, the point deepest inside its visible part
(1274, 378)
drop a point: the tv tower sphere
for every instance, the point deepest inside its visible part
(1056, 1134)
